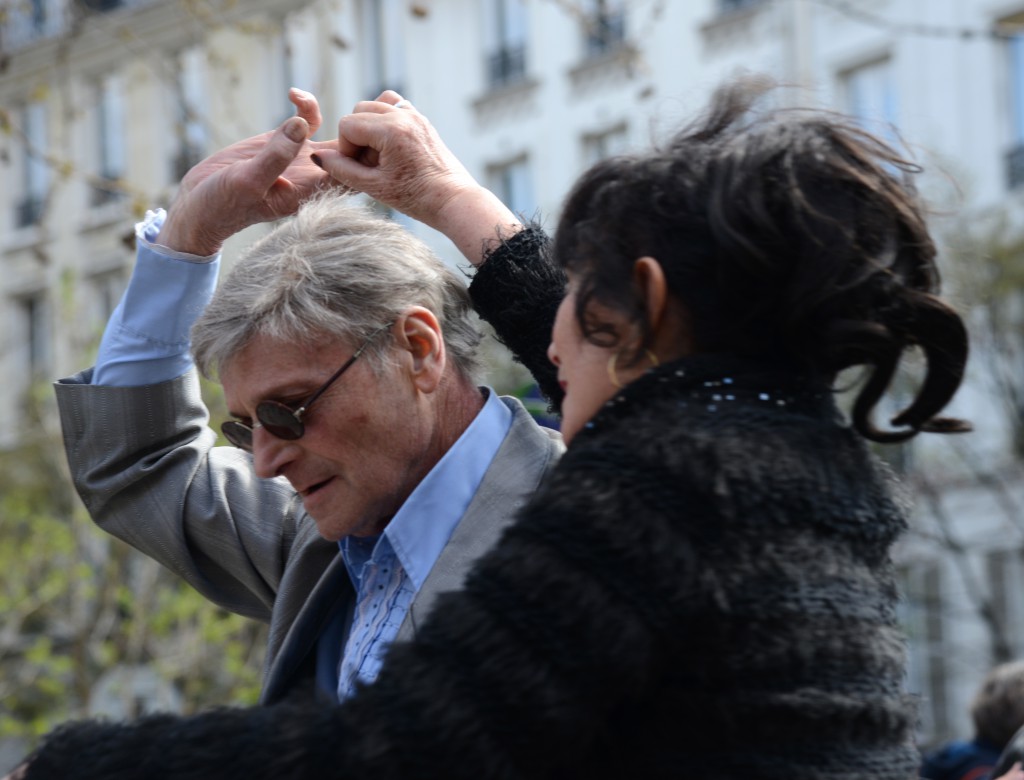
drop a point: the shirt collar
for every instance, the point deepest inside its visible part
(419, 531)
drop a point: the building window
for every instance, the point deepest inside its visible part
(35, 173)
(869, 93)
(1005, 574)
(383, 50)
(922, 617)
(513, 183)
(107, 288)
(608, 143)
(110, 140)
(299, 53)
(505, 35)
(189, 111)
(27, 21)
(37, 16)
(34, 336)
(728, 6)
(100, 6)
(1015, 155)
(605, 22)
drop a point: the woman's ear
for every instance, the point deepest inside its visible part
(667, 319)
(649, 281)
(418, 332)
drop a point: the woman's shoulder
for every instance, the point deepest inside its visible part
(716, 403)
(750, 454)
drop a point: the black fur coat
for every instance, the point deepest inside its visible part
(702, 589)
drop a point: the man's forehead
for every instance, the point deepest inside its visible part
(268, 368)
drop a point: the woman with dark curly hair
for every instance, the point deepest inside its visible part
(703, 588)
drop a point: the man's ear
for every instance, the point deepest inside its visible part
(418, 332)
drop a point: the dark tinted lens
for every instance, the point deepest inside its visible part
(279, 420)
(238, 434)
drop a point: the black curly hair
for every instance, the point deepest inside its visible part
(790, 235)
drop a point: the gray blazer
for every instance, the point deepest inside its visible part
(143, 461)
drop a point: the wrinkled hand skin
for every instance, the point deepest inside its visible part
(259, 179)
(395, 155)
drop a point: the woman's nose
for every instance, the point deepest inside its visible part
(553, 354)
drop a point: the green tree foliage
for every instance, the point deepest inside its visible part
(75, 603)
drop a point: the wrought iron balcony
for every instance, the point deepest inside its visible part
(102, 194)
(507, 65)
(28, 211)
(101, 6)
(1015, 166)
(727, 6)
(187, 156)
(605, 32)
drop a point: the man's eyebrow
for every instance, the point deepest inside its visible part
(293, 393)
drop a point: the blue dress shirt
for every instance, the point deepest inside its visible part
(147, 338)
(388, 570)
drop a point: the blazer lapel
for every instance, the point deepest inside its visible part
(513, 476)
(332, 593)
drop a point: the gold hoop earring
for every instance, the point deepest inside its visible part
(613, 377)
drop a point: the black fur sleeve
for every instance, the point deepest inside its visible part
(515, 678)
(283, 741)
(518, 290)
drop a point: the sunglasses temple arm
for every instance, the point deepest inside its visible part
(309, 401)
(355, 356)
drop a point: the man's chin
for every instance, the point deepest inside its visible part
(331, 527)
(329, 531)
(334, 529)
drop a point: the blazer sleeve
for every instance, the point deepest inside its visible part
(144, 463)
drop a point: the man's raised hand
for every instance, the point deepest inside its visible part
(260, 179)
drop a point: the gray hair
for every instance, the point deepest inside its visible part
(335, 269)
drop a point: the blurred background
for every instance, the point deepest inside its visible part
(105, 104)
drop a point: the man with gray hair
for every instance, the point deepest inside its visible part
(348, 362)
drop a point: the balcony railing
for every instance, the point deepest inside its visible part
(28, 211)
(101, 194)
(728, 6)
(1015, 166)
(29, 21)
(102, 5)
(187, 156)
(507, 65)
(605, 33)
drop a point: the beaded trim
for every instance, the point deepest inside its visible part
(712, 394)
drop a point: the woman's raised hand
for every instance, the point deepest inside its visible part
(390, 151)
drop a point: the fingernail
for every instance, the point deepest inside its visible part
(296, 129)
(317, 161)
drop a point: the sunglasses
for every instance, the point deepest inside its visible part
(284, 421)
